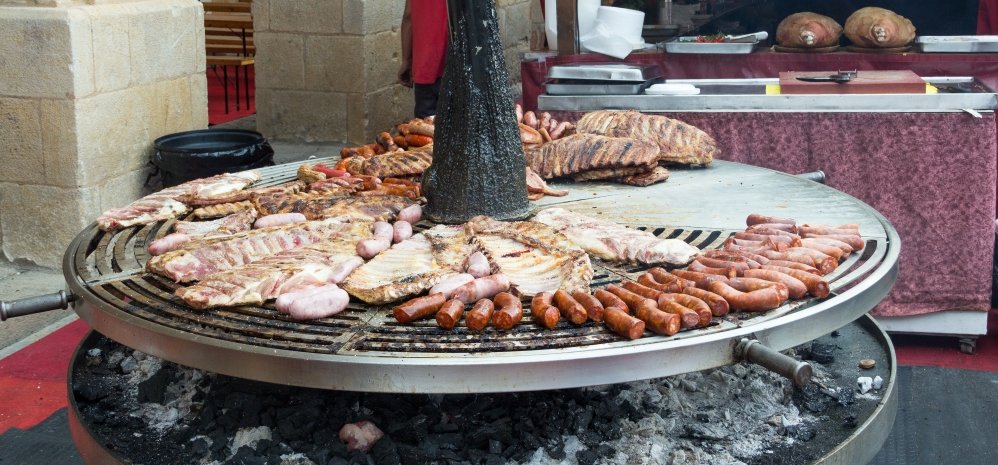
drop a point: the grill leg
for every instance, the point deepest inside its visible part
(246, 85)
(237, 86)
(225, 87)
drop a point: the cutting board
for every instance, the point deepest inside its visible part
(865, 82)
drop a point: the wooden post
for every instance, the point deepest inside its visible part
(568, 27)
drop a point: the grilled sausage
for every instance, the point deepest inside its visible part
(788, 227)
(764, 244)
(454, 281)
(594, 309)
(821, 229)
(420, 307)
(369, 248)
(519, 112)
(530, 119)
(687, 318)
(795, 287)
(701, 279)
(755, 284)
(697, 306)
(412, 214)
(560, 129)
(756, 218)
(478, 265)
(509, 311)
(735, 256)
(278, 219)
(167, 243)
(633, 301)
(450, 313)
(789, 241)
(344, 268)
(543, 311)
(854, 240)
(697, 266)
(830, 250)
(718, 306)
(608, 299)
(648, 280)
(623, 324)
(479, 315)
(417, 140)
(799, 258)
(641, 290)
(401, 231)
(657, 321)
(482, 288)
(843, 246)
(764, 231)
(313, 303)
(816, 285)
(823, 262)
(570, 308)
(755, 301)
(720, 264)
(794, 265)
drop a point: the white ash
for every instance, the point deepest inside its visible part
(296, 459)
(178, 396)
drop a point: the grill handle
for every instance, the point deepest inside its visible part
(37, 304)
(752, 350)
(816, 176)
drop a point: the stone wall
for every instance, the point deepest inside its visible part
(326, 69)
(88, 85)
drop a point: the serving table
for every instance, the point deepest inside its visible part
(927, 162)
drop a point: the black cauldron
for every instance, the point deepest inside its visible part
(184, 156)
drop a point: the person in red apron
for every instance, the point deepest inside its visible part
(424, 46)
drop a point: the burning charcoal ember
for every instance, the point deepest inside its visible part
(361, 435)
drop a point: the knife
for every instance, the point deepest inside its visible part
(841, 77)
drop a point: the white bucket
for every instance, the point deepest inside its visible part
(587, 18)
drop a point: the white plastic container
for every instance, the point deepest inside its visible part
(587, 18)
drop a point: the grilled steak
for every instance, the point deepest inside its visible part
(535, 257)
(613, 242)
(410, 267)
(222, 209)
(319, 205)
(165, 204)
(584, 152)
(678, 142)
(392, 164)
(257, 282)
(198, 259)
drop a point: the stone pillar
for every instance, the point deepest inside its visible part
(87, 86)
(326, 70)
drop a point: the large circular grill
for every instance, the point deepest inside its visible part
(365, 349)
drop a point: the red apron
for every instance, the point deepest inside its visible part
(429, 39)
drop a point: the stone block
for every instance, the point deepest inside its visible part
(38, 46)
(59, 143)
(199, 100)
(308, 16)
(261, 16)
(265, 118)
(386, 108)
(334, 63)
(381, 60)
(56, 216)
(517, 24)
(307, 116)
(22, 158)
(280, 60)
(164, 38)
(121, 190)
(371, 16)
(111, 43)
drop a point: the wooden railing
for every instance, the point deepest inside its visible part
(228, 38)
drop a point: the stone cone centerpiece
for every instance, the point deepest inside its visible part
(478, 163)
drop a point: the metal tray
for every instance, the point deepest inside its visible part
(597, 88)
(958, 44)
(606, 72)
(688, 44)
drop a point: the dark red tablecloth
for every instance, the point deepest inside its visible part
(931, 174)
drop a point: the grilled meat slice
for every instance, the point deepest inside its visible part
(222, 209)
(657, 174)
(257, 282)
(536, 185)
(392, 164)
(319, 205)
(230, 224)
(610, 173)
(612, 242)
(198, 259)
(534, 256)
(678, 142)
(239, 196)
(585, 152)
(164, 204)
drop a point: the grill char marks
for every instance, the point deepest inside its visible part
(585, 152)
(395, 164)
(678, 142)
(319, 206)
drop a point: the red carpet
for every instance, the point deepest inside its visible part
(216, 95)
(33, 379)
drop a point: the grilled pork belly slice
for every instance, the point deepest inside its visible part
(584, 152)
(610, 173)
(289, 271)
(396, 164)
(536, 258)
(613, 242)
(411, 266)
(239, 196)
(319, 205)
(230, 224)
(224, 209)
(678, 142)
(657, 174)
(198, 259)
